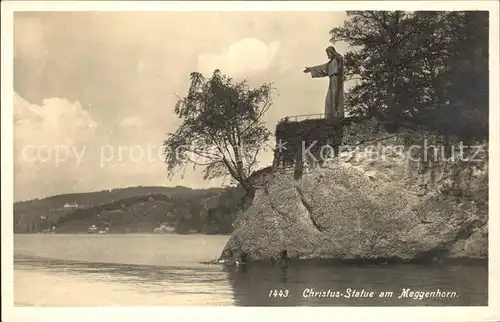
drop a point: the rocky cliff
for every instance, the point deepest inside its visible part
(360, 209)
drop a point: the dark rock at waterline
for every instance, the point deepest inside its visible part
(349, 214)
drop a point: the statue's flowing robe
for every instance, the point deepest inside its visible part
(334, 101)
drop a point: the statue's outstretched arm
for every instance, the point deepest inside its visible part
(317, 71)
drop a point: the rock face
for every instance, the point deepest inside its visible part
(350, 211)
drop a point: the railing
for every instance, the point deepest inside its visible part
(297, 118)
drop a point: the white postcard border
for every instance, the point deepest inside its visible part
(11, 313)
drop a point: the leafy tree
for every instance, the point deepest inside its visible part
(423, 68)
(222, 128)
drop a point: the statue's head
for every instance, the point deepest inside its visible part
(331, 52)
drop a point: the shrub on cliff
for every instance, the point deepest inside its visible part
(222, 128)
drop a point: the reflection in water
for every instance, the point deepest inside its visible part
(252, 284)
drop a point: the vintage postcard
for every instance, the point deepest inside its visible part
(189, 159)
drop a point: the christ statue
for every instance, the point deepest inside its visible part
(334, 69)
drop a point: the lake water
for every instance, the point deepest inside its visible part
(163, 270)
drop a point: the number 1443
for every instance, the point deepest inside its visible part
(278, 293)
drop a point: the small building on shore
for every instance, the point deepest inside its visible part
(70, 205)
(92, 229)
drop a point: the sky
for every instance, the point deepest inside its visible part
(94, 92)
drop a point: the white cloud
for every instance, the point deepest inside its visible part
(243, 58)
(50, 141)
(131, 122)
(56, 121)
